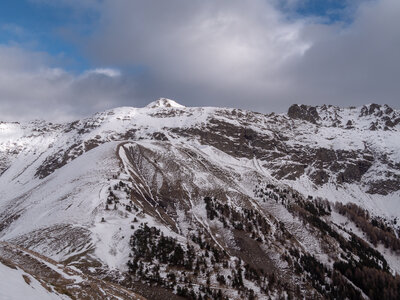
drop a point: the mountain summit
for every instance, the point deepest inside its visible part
(164, 103)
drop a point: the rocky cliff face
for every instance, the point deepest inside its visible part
(358, 125)
(304, 112)
(211, 202)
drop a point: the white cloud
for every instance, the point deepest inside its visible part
(30, 88)
(103, 71)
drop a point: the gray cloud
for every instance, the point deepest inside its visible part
(352, 65)
(223, 53)
(247, 54)
(201, 52)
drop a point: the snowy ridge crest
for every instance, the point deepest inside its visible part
(367, 117)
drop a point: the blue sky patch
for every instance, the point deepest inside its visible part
(326, 11)
(38, 27)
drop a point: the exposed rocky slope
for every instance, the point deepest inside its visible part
(211, 202)
(37, 277)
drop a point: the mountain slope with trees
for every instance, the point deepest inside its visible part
(211, 203)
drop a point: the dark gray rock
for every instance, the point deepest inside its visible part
(304, 112)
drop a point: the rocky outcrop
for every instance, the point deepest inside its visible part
(386, 117)
(353, 172)
(304, 112)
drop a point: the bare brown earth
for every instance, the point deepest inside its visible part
(61, 279)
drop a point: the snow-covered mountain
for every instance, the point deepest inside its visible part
(211, 202)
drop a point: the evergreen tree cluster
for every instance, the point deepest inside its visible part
(148, 243)
(376, 284)
(248, 220)
(120, 194)
(329, 283)
(153, 251)
(208, 266)
(268, 192)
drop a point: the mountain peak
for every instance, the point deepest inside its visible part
(164, 103)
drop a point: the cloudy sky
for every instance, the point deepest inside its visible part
(63, 59)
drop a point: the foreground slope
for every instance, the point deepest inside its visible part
(209, 201)
(27, 274)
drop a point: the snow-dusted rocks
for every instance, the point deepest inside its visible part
(241, 189)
